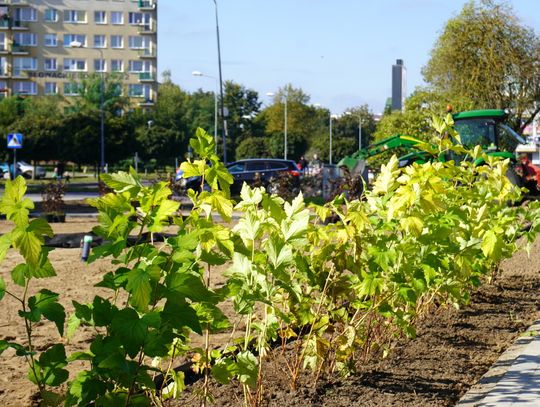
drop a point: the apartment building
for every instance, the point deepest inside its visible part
(47, 46)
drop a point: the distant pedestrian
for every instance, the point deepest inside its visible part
(303, 164)
(315, 165)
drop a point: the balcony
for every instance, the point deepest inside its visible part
(147, 5)
(19, 25)
(146, 28)
(21, 3)
(17, 49)
(147, 102)
(147, 53)
(147, 77)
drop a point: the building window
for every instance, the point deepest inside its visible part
(136, 18)
(138, 42)
(25, 14)
(51, 88)
(25, 88)
(139, 90)
(75, 16)
(50, 40)
(71, 89)
(24, 64)
(3, 67)
(100, 65)
(137, 66)
(117, 17)
(117, 65)
(49, 64)
(72, 64)
(51, 15)
(100, 17)
(70, 38)
(100, 41)
(2, 41)
(117, 41)
(27, 39)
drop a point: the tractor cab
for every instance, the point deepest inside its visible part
(487, 129)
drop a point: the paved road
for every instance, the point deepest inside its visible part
(70, 196)
(514, 380)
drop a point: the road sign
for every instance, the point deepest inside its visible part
(14, 140)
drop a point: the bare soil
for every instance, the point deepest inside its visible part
(451, 352)
(453, 349)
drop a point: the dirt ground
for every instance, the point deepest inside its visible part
(452, 351)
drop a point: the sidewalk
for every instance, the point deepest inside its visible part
(514, 380)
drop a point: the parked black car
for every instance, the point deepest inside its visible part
(254, 172)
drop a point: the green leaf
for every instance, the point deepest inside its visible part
(278, 252)
(492, 245)
(370, 285)
(5, 244)
(21, 350)
(412, 225)
(47, 303)
(102, 311)
(138, 284)
(50, 367)
(2, 287)
(224, 370)
(221, 204)
(40, 227)
(175, 387)
(211, 317)
(84, 389)
(178, 314)
(122, 182)
(191, 286)
(166, 208)
(12, 203)
(29, 244)
(131, 330)
(247, 365)
(72, 325)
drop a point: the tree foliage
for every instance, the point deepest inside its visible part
(486, 55)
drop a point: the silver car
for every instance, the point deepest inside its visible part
(28, 169)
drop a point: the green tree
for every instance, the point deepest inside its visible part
(242, 105)
(486, 55)
(40, 122)
(252, 147)
(90, 94)
(303, 122)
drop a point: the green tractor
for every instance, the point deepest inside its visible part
(486, 128)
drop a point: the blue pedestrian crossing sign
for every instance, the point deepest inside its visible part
(14, 140)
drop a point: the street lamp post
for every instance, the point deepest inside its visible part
(197, 73)
(285, 98)
(224, 127)
(77, 44)
(332, 116)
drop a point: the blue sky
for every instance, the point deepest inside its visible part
(340, 52)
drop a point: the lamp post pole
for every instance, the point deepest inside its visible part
(223, 127)
(198, 73)
(359, 132)
(286, 125)
(101, 111)
(332, 116)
